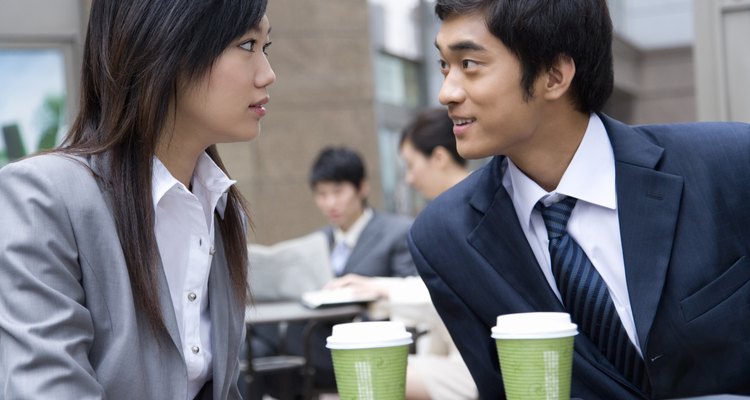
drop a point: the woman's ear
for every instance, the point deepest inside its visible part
(559, 77)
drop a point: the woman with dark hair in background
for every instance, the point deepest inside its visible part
(428, 149)
(123, 253)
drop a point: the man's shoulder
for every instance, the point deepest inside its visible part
(454, 210)
(692, 134)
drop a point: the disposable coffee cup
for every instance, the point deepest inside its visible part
(369, 359)
(536, 354)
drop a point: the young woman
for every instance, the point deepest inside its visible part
(123, 255)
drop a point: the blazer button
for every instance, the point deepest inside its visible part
(195, 349)
(212, 250)
(192, 296)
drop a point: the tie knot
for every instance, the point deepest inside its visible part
(556, 216)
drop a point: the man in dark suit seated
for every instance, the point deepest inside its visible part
(642, 233)
(362, 241)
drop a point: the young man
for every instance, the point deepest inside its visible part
(646, 225)
(363, 241)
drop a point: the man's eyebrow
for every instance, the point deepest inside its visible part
(464, 45)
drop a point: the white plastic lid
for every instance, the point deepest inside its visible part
(363, 335)
(534, 325)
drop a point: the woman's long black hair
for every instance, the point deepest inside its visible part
(135, 52)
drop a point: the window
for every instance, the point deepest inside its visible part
(397, 81)
(33, 104)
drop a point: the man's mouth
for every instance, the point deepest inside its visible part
(463, 121)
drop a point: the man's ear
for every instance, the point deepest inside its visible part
(559, 77)
(364, 188)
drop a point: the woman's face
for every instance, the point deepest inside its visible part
(422, 173)
(227, 103)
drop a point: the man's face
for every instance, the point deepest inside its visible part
(340, 202)
(483, 92)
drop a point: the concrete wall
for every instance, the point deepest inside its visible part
(722, 59)
(652, 86)
(323, 96)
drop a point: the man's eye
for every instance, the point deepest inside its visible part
(249, 46)
(443, 65)
(468, 63)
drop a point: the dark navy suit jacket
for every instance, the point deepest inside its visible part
(682, 192)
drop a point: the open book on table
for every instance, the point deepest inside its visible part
(334, 297)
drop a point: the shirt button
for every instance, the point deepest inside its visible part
(195, 349)
(192, 296)
(212, 250)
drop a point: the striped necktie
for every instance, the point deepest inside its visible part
(586, 297)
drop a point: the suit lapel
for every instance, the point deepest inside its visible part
(499, 238)
(220, 295)
(648, 203)
(167, 308)
(367, 240)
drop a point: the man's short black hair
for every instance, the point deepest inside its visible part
(540, 31)
(338, 164)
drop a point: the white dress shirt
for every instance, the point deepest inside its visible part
(184, 225)
(593, 224)
(351, 236)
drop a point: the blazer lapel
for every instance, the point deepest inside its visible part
(648, 203)
(499, 238)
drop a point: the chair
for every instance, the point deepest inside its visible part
(254, 367)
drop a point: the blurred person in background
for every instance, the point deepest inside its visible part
(123, 254)
(362, 241)
(433, 165)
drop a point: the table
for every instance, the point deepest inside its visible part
(284, 313)
(293, 311)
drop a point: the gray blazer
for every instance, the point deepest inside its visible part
(68, 324)
(381, 249)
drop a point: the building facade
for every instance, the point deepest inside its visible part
(354, 72)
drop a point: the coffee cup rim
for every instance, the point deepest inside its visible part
(371, 334)
(534, 325)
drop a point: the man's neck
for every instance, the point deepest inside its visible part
(556, 142)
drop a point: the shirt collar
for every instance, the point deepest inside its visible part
(213, 180)
(207, 177)
(351, 236)
(590, 176)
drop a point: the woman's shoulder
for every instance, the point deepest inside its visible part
(59, 172)
(48, 164)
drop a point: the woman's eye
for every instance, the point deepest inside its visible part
(249, 46)
(265, 48)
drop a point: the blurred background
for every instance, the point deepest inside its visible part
(354, 72)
